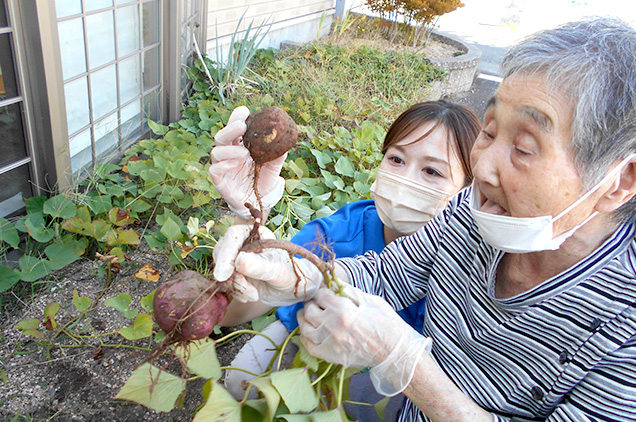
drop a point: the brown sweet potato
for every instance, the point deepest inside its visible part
(270, 133)
(188, 306)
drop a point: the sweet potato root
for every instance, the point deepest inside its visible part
(188, 306)
(270, 133)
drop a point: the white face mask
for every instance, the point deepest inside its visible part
(532, 234)
(403, 205)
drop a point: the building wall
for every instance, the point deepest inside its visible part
(292, 20)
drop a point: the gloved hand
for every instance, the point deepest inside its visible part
(232, 169)
(268, 276)
(362, 330)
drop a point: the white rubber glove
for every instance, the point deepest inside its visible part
(232, 169)
(362, 330)
(268, 276)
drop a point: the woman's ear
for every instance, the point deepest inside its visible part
(621, 191)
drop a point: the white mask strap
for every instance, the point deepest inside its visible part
(596, 187)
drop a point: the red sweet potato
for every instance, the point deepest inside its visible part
(188, 306)
(270, 133)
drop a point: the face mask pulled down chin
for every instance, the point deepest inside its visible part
(403, 205)
(532, 234)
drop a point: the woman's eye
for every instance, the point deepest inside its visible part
(396, 160)
(486, 135)
(432, 172)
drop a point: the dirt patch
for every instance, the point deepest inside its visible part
(79, 383)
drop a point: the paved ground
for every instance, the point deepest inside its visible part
(494, 25)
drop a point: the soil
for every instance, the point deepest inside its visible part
(79, 383)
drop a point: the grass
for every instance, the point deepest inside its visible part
(341, 80)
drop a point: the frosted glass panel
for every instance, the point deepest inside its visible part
(97, 4)
(71, 33)
(77, 111)
(80, 148)
(106, 136)
(150, 21)
(131, 121)
(80, 142)
(151, 106)
(67, 7)
(104, 91)
(100, 31)
(127, 30)
(151, 68)
(129, 79)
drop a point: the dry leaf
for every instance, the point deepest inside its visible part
(148, 273)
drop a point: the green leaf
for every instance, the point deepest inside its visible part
(50, 311)
(60, 255)
(104, 169)
(130, 313)
(37, 229)
(259, 324)
(60, 207)
(141, 328)
(344, 166)
(157, 128)
(146, 301)
(81, 302)
(329, 416)
(153, 388)
(272, 396)
(34, 204)
(121, 302)
(78, 245)
(32, 268)
(295, 388)
(139, 206)
(309, 360)
(171, 230)
(200, 358)
(100, 204)
(8, 233)
(380, 407)
(296, 418)
(321, 157)
(29, 327)
(334, 182)
(8, 278)
(123, 237)
(220, 406)
(254, 410)
(323, 212)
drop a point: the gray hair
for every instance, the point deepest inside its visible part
(594, 62)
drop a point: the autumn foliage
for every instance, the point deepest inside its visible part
(421, 15)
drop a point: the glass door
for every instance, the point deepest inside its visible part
(16, 163)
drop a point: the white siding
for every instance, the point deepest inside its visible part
(292, 20)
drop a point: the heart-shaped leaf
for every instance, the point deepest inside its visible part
(153, 388)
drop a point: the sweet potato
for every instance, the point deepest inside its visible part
(188, 306)
(270, 133)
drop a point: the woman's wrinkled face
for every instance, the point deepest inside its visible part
(430, 161)
(521, 160)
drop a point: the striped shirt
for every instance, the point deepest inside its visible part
(562, 351)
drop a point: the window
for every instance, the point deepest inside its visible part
(111, 66)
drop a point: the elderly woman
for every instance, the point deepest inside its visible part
(529, 277)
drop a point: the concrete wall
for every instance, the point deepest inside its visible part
(292, 20)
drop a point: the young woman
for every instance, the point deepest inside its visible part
(426, 162)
